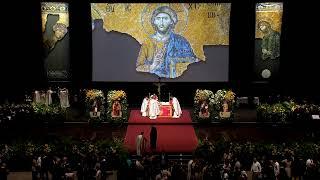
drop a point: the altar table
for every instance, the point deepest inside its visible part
(165, 109)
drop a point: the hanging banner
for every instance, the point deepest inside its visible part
(55, 24)
(267, 40)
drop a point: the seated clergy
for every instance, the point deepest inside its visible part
(154, 108)
(145, 107)
(176, 107)
(116, 109)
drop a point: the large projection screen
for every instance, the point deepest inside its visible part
(176, 42)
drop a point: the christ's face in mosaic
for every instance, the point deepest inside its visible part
(163, 23)
(264, 26)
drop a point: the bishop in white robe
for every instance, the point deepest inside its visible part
(176, 108)
(144, 107)
(154, 108)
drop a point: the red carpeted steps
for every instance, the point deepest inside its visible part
(177, 137)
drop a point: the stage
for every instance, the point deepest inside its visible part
(174, 135)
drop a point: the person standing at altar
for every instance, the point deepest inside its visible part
(154, 108)
(145, 107)
(176, 107)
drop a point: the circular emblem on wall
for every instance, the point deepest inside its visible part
(266, 73)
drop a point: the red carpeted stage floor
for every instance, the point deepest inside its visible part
(136, 118)
(179, 137)
(171, 138)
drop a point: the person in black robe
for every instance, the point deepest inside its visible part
(153, 138)
(3, 171)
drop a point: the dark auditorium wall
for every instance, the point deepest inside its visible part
(22, 66)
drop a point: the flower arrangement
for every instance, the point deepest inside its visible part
(20, 112)
(94, 99)
(31, 113)
(275, 112)
(215, 101)
(118, 96)
(304, 111)
(279, 112)
(290, 105)
(44, 109)
(263, 112)
(94, 94)
(51, 113)
(230, 96)
(286, 111)
(222, 96)
(203, 96)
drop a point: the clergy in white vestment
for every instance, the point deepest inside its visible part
(176, 108)
(37, 98)
(154, 108)
(49, 97)
(189, 169)
(144, 107)
(139, 144)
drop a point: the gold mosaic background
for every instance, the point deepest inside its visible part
(270, 12)
(60, 9)
(200, 23)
